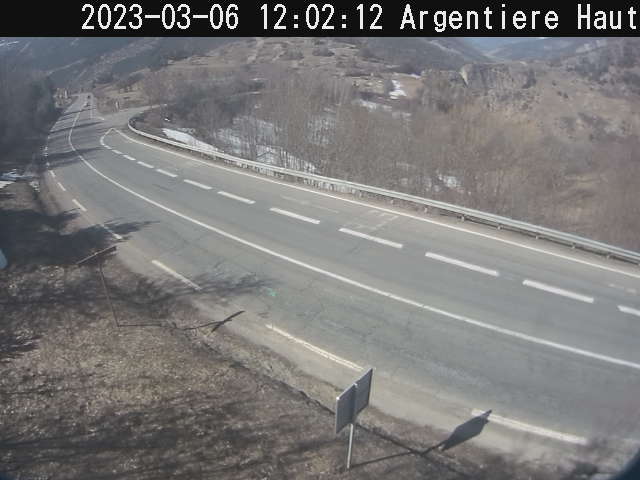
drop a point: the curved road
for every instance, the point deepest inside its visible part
(456, 318)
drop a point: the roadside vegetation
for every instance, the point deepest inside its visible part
(26, 101)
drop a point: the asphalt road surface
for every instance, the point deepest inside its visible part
(456, 318)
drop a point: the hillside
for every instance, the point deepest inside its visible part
(530, 49)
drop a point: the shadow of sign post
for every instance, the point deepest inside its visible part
(349, 404)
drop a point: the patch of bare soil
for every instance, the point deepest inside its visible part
(88, 391)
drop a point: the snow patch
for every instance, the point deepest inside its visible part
(398, 90)
(189, 139)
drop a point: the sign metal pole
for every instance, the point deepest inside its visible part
(351, 428)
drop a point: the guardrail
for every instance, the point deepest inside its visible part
(343, 186)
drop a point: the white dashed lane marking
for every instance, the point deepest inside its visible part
(79, 205)
(62, 187)
(558, 291)
(236, 197)
(199, 185)
(460, 263)
(168, 174)
(629, 310)
(114, 234)
(371, 238)
(294, 215)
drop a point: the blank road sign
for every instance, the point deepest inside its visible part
(345, 408)
(363, 392)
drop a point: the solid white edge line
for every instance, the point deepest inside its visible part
(383, 209)
(354, 283)
(294, 215)
(629, 310)
(236, 197)
(382, 241)
(558, 291)
(318, 350)
(199, 185)
(79, 205)
(168, 174)
(176, 275)
(460, 263)
(145, 165)
(62, 187)
(525, 427)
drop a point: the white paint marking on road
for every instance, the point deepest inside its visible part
(308, 204)
(145, 165)
(129, 157)
(460, 263)
(294, 215)
(371, 238)
(176, 275)
(115, 235)
(62, 187)
(236, 197)
(632, 291)
(558, 291)
(383, 209)
(79, 205)
(354, 283)
(117, 152)
(318, 350)
(53, 174)
(108, 147)
(199, 185)
(48, 165)
(629, 310)
(168, 174)
(525, 427)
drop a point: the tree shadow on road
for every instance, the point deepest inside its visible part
(32, 238)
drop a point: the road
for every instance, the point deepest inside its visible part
(456, 318)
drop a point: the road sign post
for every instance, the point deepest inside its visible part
(349, 404)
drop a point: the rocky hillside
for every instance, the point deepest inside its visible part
(530, 49)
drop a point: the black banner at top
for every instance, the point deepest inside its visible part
(337, 18)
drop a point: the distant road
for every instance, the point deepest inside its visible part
(455, 319)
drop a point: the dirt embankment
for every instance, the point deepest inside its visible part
(91, 389)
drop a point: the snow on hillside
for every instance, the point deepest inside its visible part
(188, 139)
(398, 91)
